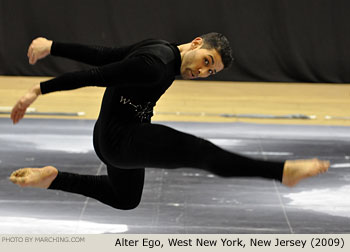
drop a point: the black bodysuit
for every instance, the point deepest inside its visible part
(124, 138)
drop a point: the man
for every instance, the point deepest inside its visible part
(124, 138)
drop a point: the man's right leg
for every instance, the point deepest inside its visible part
(158, 146)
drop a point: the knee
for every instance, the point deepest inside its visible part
(121, 160)
(130, 206)
(127, 204)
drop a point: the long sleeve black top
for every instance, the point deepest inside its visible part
(135, 76)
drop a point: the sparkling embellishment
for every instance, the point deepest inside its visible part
(144, 112)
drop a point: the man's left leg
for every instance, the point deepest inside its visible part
(120, 189)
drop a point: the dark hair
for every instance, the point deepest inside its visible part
(219, 42)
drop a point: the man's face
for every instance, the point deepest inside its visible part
(200, 63)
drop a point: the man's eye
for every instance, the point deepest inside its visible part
(206, 62)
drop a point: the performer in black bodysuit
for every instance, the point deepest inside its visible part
(124, 138)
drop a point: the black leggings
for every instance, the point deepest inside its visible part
(140, 145)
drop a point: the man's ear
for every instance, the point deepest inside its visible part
(196, 43)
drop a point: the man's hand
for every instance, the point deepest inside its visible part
(38, 49)
(21, 106)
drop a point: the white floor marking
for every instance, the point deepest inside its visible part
(283, 208)
(268, 153)
(79, 227)
(231, 142)
(332, 201)
(51, 142)
(30, 225)
(344, 165)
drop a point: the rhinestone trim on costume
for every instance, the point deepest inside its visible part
(144, 112)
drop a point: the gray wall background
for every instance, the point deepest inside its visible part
(273, 40)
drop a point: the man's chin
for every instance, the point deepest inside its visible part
(185, 77)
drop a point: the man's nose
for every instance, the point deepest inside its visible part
(201, 72)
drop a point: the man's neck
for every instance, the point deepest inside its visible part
(183, 48)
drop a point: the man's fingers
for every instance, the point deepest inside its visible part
(15, 117)
(30, 50)
(13, 113)
(32, 59)
(21, 114)
(21, 107)
(17, 114)
(31, 54)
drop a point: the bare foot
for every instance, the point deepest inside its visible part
(34, 177)
(296, 170)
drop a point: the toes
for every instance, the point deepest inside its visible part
(19, 177)
(325, 166)
(22, 181)
(13, 179)
(20, 173)
(14, 174)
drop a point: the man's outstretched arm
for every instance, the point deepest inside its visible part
(141, 71)
(89, 54)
